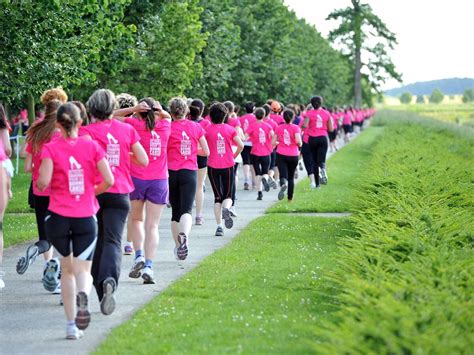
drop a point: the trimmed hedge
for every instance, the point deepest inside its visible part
(406, 282)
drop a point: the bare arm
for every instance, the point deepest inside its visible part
(298, 140)
(28, 166)
(5, 137)
(240, 146)
(274, 140)
(306, 122)
(108, 178)
(139, 156)
(204, 148)
(45, 174)
(330, 125)
(120, 113)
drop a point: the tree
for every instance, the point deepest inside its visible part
(468, 96)
(357, 23)
(436, 96)
(406, 98)
(420, 99)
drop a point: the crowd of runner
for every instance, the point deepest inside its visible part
(119, 161)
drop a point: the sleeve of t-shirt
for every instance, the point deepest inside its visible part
(99, 153)
(46, 152)
(130, 121)
(297, 129)
(134, 136)
(200, 131)
(233, 134)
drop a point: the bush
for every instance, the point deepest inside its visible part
(420, 99)
(468, 96)
(436, 96)
(406, 98)
(407, 280)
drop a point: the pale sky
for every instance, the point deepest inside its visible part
(435, 37)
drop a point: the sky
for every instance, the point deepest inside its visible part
(435, 37)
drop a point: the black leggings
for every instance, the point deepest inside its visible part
(260, 164)
(318, 147)
(307, 160)
(72, 235)
(182, 185)
(41, 204)
(111, 218)
(287, 167)
(234, 185)
(222, 182)
(246, 155)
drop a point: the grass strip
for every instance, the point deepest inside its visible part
(406, 280)
(262, 293)
(344, 170)
(18, 228)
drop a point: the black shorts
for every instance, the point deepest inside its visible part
(347, 128)
(260, 164)
(246, 155)
(182, 189)
(273, 159)
(332, 135)
(66, 233)
(202, 162)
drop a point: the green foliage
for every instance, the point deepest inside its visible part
(406, 280)
(245, 298)
(420, 99)
(406, 98)
(436, 96)
(468, 96)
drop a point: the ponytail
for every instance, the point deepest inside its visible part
(149, 116)
(42, 131)
(67, 116)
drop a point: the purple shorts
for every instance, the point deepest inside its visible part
(155, 191)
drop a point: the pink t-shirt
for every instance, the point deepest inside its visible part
(183, 145)
(347, 118)
(3, 156)
(270, 122)
(278, 119)
(334, 118)
(205, 124)
(220, 138)
(233, 122)
(246, 120)
(286, 134)
(154, 142)
(74, 175)
(116, 139)
(318, 123)
(260, 134)
(36, 163)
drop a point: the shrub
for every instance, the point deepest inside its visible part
(436, 96)
(468, 96)
(420, 99)
(406, 98)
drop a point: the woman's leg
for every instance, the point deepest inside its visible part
(152, 222)
(292, 164)
(68, 287)
(201, 176)
(135, 225)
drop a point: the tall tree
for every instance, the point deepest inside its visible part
(359, 29)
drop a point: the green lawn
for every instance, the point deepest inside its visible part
(344, 170)
(262, 293)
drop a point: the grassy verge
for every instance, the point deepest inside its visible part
(262, 293)
(344, 170)
(406, 280)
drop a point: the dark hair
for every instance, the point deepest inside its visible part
(249, 107)
(83, 112)
(230, 106)
(67, 116)
(218, 113)
(267, 109)
(3, 118)
(259, 113)
(288, 115)
(196, 109)
(316, 101)
(101, 104)
(148, 116)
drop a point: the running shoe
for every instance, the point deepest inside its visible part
(229, 223)
(312, 186)
(199, 220)
(25, 261)
(107, 304)
(260, 196)
(51, 275)
(83, 317)
(324, 176)
(266, 186)
(57, 291)
(2, 283)
(219, 232)
(74, 333)
(273, 183)
(128, 250)
(137, 267)
(182, 250)
(300, 166)
(232, 211)
(246, 186)
(281, 194)
(147, 276)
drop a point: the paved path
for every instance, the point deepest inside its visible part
(31, 320)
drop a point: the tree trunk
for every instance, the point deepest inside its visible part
(357, 79)
(31, 108)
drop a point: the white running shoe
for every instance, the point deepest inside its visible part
(137, 267)
(147, 276)
(232, 211)
(312, 186)
(73, 333)
(51, 275)
(57, 291)
(2, 284)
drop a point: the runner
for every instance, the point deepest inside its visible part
(195, 114)
(41, 133)
(5, 152)
(347, 124)
(317, 123)
(125, 101)
(221, 137)
(185, 142)
(245, 121)
(333, 135)
(118, 140)
(151, 187)
(70, 164)
(272, 172)
(260, 134)
(305, 151)
(287, 139)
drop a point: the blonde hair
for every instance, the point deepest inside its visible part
(178, 107)
(54, 94)
(42, 131)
